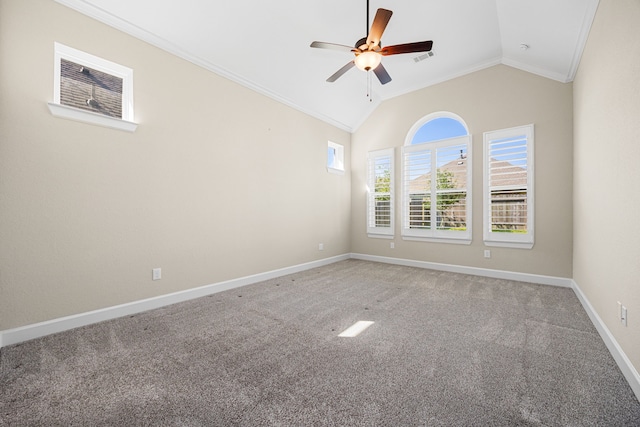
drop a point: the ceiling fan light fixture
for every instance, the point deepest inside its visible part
(368, 60)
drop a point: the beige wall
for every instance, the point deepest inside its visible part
(495, 98)
(218, 182)
(607, 170)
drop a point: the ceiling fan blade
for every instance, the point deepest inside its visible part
(381, 74)
(377, 27)
(333, 46)
(407, 48)
(341, 71)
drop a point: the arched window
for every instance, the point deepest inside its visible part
(436, 180)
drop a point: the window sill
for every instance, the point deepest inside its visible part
(335, 171)
(380, 236)
(71, 113)
(515, 245)
(463, 241)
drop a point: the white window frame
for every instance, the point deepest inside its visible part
(510, 240)
(337, 167)
(372, 229)
(126, 122)
(433, 234)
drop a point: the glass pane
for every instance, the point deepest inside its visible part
(420, 211)
(451, 210)
(89, 89)
(335, 156)
(509, 211)
(382, 211)
(418, 172)
(382, 173)
(331, 157)
(452, 167)
(508, 162)
(440, 128)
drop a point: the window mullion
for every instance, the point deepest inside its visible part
(434, 190)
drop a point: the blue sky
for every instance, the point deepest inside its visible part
(440, 128)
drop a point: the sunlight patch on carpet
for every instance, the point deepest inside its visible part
(355, 329)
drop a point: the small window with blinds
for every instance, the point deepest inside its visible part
(380, 212)
(436, 187)
(508, 187)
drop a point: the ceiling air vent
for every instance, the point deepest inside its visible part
(423, 56)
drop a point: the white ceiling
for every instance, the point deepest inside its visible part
(264, 45)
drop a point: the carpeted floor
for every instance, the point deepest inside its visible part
(445, 350)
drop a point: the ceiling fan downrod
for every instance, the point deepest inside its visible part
(366, 31)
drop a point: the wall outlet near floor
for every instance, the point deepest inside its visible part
(321, 246)
(487, 253)
(392, 245)
(156, 274)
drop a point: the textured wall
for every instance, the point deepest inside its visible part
(218, 182)
(607, 154)
(491, 99)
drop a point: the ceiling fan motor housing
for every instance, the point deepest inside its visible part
(362, 45)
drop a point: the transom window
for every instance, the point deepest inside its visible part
(436, 180)
(439, 128)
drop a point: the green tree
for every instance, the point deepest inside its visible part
(445, 180)
(383, 182)
(383, 198)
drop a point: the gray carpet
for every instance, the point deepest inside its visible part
(445, 350)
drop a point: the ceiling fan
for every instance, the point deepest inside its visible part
(368, 50)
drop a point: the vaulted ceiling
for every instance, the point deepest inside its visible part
(264, 45)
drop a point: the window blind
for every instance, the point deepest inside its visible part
(508, 187)
(380, 195)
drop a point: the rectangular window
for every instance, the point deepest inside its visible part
(380, 212)
(437, 209)
(508, 187)
(335, 158)
(91, 89)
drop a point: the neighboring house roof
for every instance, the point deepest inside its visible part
(458, 169)
(514, 175)
(89, 89)
(510, 174)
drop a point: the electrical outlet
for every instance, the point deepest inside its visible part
(392, 245)
(321, 246)
(156, 274)
(487, 253)
(619, 311)
(622, 313)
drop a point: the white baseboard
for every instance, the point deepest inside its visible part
(625, 365)
(25, 333)
(476, 271)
